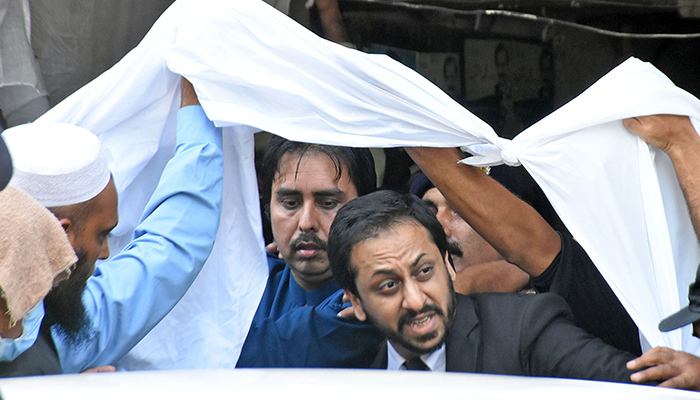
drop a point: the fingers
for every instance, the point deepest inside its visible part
(273, 249)
(100, 369)
(632, 124)
(347, 313)
(661, 372)
(655, 356)
(677, 369)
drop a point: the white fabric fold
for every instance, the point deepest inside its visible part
(255, 69)
(618, 196)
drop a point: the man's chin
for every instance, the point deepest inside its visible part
(65, 310)
(69, 317)
(417, 345)
(316, 265)
(425, 344)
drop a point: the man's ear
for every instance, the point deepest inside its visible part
(356, 305)
(449, 267)
(70, 229)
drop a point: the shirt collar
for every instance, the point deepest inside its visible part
(435, 360)
(313, 297)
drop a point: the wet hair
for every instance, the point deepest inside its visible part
(365, 217)
(356, 162)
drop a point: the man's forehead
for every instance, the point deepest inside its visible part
(434, 196)
(294, 161)
(404, 241)
(312, 166)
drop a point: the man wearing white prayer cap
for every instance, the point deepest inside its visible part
(98, 314)
(63, 167)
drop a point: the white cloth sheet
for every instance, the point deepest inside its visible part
(255, 69)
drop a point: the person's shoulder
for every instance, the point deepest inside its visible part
(275, 264)
(516, 300)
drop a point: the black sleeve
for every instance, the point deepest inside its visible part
(573, 276)
(552, 345)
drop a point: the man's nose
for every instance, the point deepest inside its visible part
(413, 296)
(104, 251)
(308, 219)
(445, 218)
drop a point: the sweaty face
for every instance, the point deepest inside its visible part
(404, 288)
(89, 240)
(466, 246)
(305, 198)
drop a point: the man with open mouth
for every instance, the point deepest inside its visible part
(388, 252)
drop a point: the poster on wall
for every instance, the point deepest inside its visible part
(441, 68)
(508, 83)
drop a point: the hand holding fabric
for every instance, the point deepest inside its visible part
(189, 96)
(677, 137)
(665, 131)
(100, 369)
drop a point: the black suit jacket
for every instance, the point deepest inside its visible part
(40, 359)
(525, 334)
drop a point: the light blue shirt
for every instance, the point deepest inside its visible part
(435, 360)
(130, 293)
(31, 323)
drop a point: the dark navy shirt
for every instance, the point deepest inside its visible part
(293, 327)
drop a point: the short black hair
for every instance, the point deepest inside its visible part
(364, 218)
(358, 162)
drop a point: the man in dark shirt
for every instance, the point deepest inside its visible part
(296, 323)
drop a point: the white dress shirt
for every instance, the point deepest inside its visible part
(435, 360)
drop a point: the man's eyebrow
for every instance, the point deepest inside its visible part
(429, 203)
(384, 271)
(329, 193)
(417, 261)
(287, 192)
(390, 271)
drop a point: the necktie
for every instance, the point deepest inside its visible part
(415, 364)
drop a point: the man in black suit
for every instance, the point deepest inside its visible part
(388, 252)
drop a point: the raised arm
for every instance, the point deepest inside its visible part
(509, 224)
(332, 20)
(130, 293)
(675, 135)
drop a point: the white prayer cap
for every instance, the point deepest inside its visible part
(58, 164)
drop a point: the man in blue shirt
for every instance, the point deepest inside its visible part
(93, 319)
(297, 323)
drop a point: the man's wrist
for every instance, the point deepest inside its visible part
(189, 96)
(685, 141)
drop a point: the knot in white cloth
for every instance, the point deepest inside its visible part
(510, 158)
